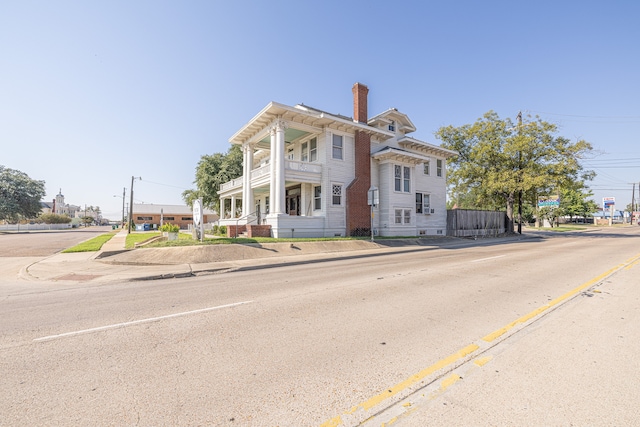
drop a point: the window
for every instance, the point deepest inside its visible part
(392, 126)
(145, 218)
(336, 152)
(402, 177)
(423, 203)
(407, 176)
(402, 216)
(187, 218)
(304, 155)
(169, 218)
(336, 195)
(317, 199)
(426, 170)
(439, 168)
(313, 150)
(290, 154)
(266, 204)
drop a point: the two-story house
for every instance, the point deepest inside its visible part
(308, 173)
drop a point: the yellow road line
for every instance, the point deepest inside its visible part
(376, 400)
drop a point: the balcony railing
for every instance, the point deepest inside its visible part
(299, 169)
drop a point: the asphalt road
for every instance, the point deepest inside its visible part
(45, 242)
(304, 344)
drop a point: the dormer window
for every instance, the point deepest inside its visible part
(392, 126)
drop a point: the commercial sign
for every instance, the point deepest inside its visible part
(607, 202)
(549, 201)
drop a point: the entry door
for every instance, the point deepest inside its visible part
(293, 201)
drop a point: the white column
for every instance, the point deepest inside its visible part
(272, 170)
(249, 204)
(233, 206)
(221, 208)
(247, 191)
(279, 201)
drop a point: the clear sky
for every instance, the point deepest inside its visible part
(93, 93)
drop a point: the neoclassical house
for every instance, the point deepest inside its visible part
(308, 173)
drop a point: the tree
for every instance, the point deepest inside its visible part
(212, 171)
(576, 203)
(19, 195)
(500, 162)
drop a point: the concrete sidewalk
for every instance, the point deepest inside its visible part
(114, 263)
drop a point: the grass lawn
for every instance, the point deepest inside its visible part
(134, 238)
(92, 245)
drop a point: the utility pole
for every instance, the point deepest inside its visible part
(124, 192)
(633, 201)
(133, 178)
(519, 176)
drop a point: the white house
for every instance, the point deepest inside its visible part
(307, 173)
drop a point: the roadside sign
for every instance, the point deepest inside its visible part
(607, 202)
(549, 201)
(197, 212)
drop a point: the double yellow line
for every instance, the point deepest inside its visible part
(472, 348)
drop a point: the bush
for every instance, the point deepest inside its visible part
(222, 230)
(169, 228)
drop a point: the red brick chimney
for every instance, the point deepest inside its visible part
(358, 211)
(360, 92)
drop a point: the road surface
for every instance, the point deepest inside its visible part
(305, 344)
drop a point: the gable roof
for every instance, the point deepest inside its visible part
(403, 123)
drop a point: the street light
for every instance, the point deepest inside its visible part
(124, 190)
(133, 178)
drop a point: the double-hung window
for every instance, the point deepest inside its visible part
(402, 216)
(317, 198)
(337, 147)
(402, 178)
(304, 152)
(426, 169)
(313, 150)
(439, 167)
(423, 203)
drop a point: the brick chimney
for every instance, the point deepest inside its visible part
(358, 211)
(360, 92)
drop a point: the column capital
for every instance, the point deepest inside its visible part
(278, 125)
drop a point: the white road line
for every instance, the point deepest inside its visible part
(486, 259)
(137, 322)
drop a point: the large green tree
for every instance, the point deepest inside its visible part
(20, 195)
(501, 162)
(212, 171)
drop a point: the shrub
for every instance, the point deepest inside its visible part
(169, 228)
(222, 230)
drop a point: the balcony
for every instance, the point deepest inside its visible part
(294, 171)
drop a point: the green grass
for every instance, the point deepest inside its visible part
(134, 238)
(92, 245)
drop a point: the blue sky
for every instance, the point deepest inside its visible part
(92, 93)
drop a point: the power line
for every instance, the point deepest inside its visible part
(588, 117)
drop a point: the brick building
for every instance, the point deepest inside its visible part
(156, 215)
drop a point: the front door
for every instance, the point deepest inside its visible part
(293, 201)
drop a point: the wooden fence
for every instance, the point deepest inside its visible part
(472, 223)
